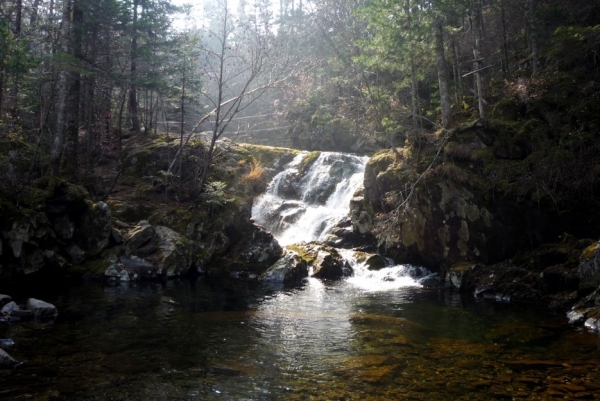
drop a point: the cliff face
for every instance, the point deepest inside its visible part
(512, 197)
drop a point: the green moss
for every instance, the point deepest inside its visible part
(381, 160)
(308, 161)
(267, 155)
(304, 254)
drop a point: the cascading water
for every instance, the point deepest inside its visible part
(303, 206)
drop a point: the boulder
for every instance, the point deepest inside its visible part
(14, 310)
(7, 361)
(171, 257)
(260, 248)
(9, 308)
(588, 270)
(4, 299)
(290, 270)
(41, 309)
(326, 262)
(139, 236)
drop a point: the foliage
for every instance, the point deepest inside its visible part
(215, 195)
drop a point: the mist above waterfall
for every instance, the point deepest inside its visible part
(305, 205)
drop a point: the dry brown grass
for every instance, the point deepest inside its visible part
(256, 175)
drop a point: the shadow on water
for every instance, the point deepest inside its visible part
(228, 340)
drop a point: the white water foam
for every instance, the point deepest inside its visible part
(305, 207)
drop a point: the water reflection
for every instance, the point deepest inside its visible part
(223, 340)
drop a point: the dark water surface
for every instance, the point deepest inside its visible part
(215, 340)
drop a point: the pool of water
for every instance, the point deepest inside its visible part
(228, 340)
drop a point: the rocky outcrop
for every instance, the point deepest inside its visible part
(438, 223)
(64, 228)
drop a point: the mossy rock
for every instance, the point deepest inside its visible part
(308, 161)
(267, 155)
(506, 110)
(381, 160)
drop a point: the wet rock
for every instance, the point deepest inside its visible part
(290, 270)
(458, 275)
(259, 248)
(588, 270)
(7, 361)
(9, 308)
(4, 299)
(325, 261)
(41, 309)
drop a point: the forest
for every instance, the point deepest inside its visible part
(77, 77)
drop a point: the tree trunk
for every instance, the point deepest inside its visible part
(133, 102)
(63, 92)
(414, 92)
(532, 34)
(442, 73)
(506, 68)
(477, 57)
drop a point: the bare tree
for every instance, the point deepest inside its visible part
(239, 66)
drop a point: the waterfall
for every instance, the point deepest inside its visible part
(305, 206)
